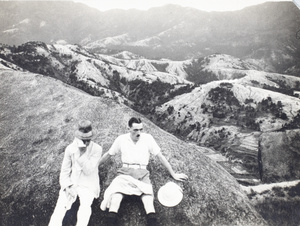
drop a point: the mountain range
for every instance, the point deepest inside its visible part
(265, 32)
(226, 84)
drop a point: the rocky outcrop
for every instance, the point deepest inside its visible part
(38, 116)
(278, 203)
(280, 154)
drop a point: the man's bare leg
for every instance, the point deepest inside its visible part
(112, 219)
(115, 202)
(148, 202)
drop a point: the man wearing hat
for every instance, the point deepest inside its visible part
(133, 177)
(78, 176)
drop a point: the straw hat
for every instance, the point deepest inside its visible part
(170, 194)
(84, 131)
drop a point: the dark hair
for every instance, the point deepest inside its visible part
(134, 120)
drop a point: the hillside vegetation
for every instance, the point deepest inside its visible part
(236, 119)
(136, 83)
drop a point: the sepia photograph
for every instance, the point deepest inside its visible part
(150, 113)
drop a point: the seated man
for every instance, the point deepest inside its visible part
(133, 177)
(79, 176)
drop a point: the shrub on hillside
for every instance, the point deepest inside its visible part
(223, 94)
(196, 73)
(294, 191)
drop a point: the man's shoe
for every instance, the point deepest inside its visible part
(112, 219)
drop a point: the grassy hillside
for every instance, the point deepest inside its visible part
(38, 118)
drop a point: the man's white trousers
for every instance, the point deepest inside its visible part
(86, 199)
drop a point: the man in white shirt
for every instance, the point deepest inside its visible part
(79, 176)
(133, 177)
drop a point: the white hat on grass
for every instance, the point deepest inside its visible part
(170, 194)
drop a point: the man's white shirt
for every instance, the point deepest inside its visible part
(135, 153)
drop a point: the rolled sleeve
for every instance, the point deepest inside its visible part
(153, 146)
(115, 148)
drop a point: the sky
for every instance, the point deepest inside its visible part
(205, 5)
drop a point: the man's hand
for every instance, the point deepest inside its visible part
(180, 176)
(176, 176)
(71, 193)
(82, 150)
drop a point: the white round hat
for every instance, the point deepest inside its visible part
(170, 194)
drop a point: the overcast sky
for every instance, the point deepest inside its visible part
(206, 5)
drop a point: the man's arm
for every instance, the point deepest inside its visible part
(65, 175)
(104, 158)
(115, 147)
(66, 169)
(176, 176)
